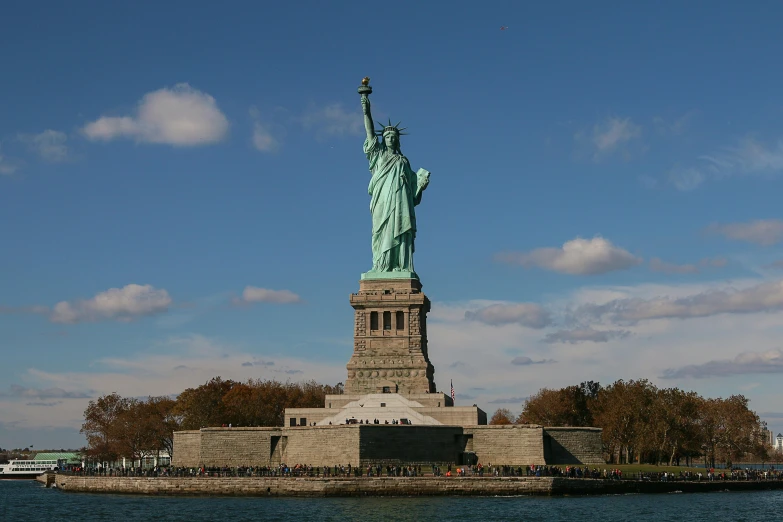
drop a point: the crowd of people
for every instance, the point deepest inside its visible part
(430, 470)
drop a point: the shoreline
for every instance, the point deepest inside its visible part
(390, 486)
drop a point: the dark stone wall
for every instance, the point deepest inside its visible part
(401, 444)
(573, 446)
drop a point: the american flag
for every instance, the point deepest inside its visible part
(452, 390)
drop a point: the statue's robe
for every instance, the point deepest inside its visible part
(394, 194)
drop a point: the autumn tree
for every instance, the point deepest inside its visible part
(546, 407)
(643, 423)
(204, 406)
(131, 431)
(621, 410)
(570, 406)
(162, 421)
(735, 430)
(100, 418)
(501, 417)
(263, 402)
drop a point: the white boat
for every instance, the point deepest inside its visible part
(27, 469)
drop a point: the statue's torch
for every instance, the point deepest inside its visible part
(364, 88)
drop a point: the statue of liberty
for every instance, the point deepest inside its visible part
(394, 192)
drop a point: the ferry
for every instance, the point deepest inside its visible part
(27, 469)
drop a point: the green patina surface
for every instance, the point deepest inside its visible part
(395, 190)
(403, 274)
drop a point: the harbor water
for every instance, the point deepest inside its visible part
(29, 500)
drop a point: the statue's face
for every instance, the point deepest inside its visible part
(392, 140)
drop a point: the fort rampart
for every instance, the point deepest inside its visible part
(361, 445)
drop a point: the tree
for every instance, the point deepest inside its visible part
(736, 429)
(546, 407)
(162, 421)
(621, 409)
(132, 433)
(502, 416)
(100, 417)
(571, 406)
(203, 406)
(263, 402)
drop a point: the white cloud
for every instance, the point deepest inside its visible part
(263, 138)
(50, 145)
(580, 335)
(686, 179)
(761, 232)
(333, 120)
(577, 257)
(253, 294)
(181, 116)
(120, 304)
(612, 132)
(762, 297)
(745, 363)
(525, 314)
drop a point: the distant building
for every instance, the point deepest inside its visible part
(68, 457)
(768, 437)
(779, 442)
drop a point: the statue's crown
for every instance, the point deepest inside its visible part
(385, 129)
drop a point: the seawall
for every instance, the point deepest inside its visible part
(391, 486)
(46, 478)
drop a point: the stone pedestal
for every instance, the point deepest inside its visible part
(390, 339)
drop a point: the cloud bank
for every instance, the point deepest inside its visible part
(744, 363)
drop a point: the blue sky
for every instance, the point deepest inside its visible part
(183, 191)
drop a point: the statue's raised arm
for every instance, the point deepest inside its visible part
(365, 91)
